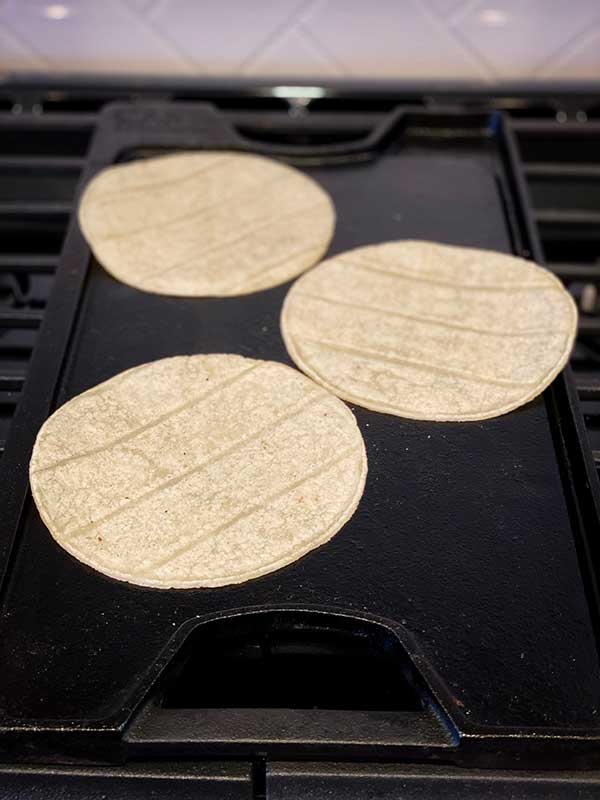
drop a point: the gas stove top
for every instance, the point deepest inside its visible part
(494, 635)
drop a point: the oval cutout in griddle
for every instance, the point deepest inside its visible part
(293, 659)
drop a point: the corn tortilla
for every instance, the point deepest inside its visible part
(430, 331)
(198, 471)
(213, 223)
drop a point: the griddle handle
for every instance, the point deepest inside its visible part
(128, 126)
(289, 681)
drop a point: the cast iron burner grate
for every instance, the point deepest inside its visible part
(561, 161)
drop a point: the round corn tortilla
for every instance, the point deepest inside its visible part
(429, 331)
(198, 471)
(206, 223)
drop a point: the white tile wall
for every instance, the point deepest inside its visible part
(481, 40)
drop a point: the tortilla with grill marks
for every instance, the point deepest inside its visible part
(212, 223)
(430, 331)
(198, 471)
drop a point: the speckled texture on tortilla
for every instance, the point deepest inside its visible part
(213, 223)
(198, 471)
(430, 331)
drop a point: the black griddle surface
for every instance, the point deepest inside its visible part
(462, 543)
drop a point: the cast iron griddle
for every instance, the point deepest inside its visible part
(464, 544)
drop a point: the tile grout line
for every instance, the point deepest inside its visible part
(248, 60)
(454, 34)
(562, 53)
(23, 43)
(308, 35)
(144, 18)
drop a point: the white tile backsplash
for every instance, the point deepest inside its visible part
(294, 52)
(399, 39)
(579, 61)
(15, 54)
(479, 40)
(516, 38)
(88, 35)
(218, 36)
